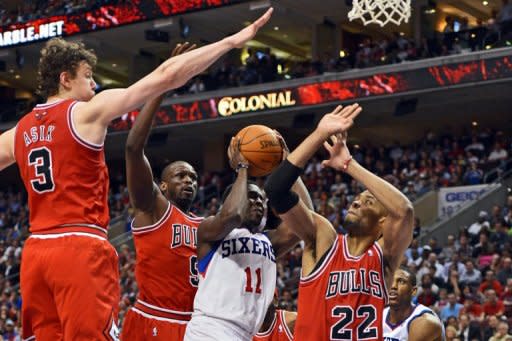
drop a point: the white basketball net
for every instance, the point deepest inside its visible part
(381, 11)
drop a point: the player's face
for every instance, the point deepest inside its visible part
(257, 206)
(364, 214)
(83, 85)
(181, 185)
(401, 291)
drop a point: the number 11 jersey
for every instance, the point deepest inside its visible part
(236, 285)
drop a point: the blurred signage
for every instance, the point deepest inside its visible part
(100, 18)
(335, 91)
(452, 199)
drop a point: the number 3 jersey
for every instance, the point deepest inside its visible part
(236, 285)
(344, 297)
(66, 177)
(166, 266)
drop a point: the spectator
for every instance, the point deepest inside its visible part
(468, 330)
(471, 276)
(453, 308)
(472, 308)
(490, 282)
(498, 153)
(475, 228)
(491, 328)
(502, 333)
(493, 306)
(474, 175)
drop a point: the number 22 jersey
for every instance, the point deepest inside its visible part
(344, 297)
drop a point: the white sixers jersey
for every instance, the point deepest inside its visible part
(236, 285)
(400, 332)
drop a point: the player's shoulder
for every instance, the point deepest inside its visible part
(426, 325)
(189, 216)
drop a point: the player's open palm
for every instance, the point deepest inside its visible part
(239, 39)
(339, 120)
(339, 154)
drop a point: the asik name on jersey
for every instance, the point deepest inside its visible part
(354, 281)
(247, 245)
(184, 235)
(38, 134)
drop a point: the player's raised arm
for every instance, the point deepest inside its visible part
(143, 191)
(7, 148)
(284, 238)
(304, 222)
(173, 73)
(398, 223)
(235, 204)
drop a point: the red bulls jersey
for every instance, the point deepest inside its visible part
(344, 297)
(66, 177)
(166, 266)
(278, 330)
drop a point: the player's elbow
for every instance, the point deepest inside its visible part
(231, 217)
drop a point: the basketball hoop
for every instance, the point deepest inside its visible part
(381, 11)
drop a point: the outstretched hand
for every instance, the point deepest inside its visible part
(239, 39)
(339, 120)
(182, 48)
(234, 155)
(339, 154)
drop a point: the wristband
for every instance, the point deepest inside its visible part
(345, 164)
(241, 165)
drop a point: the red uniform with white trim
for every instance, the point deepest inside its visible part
(166, 273)
(278, 330)
(67, 261)
(344, 297)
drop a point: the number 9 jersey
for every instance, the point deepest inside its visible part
(66, 177)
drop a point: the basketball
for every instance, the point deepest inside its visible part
(261, 147)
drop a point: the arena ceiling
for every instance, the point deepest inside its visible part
(289, 34)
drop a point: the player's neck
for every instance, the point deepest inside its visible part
(358, 244)
(399, 314)
(269, 318)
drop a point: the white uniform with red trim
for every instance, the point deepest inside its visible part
(236, 286)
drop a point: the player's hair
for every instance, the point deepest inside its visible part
(230, 187)
(412, 275)
(58, 56)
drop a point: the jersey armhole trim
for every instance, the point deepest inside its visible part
(320, 267)
(74, 132)
(155, 226)
(14, 142)
(270, 329)
(202, 264)
(381, 257)
(287, 330)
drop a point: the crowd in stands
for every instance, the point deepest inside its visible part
(471, 276)
(261, 66)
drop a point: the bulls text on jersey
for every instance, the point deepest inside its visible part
(183, 235)
(354, 281)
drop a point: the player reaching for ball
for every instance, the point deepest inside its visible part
(342, 290)
(164, 233)
(236, 260)
(69, 272)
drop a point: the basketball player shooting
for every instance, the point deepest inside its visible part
(67, 261)
(342, 291)
(404, 321)
(236, 261)
(165, 237)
